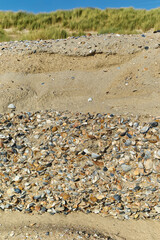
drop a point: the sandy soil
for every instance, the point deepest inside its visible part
(17, 226)
(121, 83)
(118, 83)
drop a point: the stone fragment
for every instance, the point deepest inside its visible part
(105, 169)
(37, 208)
(91, 52)
(10, 192)
(17, 190)
(128, 142)
(100, 197)
(93, 199)
(153, 124)
(144, 129)
(148, 164)
(126, 168)
(122, 132)
(1, 143)
(90, 99)
(54, 129)
(136, 216)
(136, 172)
(12, 234)
(157, 208)
(86, 151)
(98, 164)
(95, 156)
(65, 196)
(117, 197)
(11, 106)
(157, 154)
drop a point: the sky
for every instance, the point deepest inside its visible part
(37, 6)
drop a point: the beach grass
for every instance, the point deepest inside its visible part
(76, 22)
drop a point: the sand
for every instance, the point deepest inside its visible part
(32, 225)
(121, 83)
(121, 80)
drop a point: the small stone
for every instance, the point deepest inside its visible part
(100, 197)
(145, 129)
(136, 216)
(95, 156)
(105, 169)
(54, 129)
(1, 143)
(147, 155)
(137, 188)
(153, 124)
(140, 165)
(65, 196)
(59, 209)
(37, 197)
(157, 154)
(117, 197)
(96, 211)
(43, 209)
(148, 164)
(17, 178)
(157, 208)
(136, 172)
(126, 168)
(157, 46)
(91, 52)
(36, 136)
(37, 208)
(10, 191)
(90, 99)
(105, 209)
(86, 151)
(11, 106)
(128, 142)
(98, 163)
(121, 132)
(12, 234)
(111, 169)
(93, 199)
(17, 190)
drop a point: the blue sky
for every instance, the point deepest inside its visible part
(52, 5)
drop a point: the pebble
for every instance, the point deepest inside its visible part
(95, 156)
(86, 151)
(126, 168)
(145, 129)
(157, 208)
(12, 234)
(90, 99)
(11, 106)
(93, 163)
(153, 124)
(148, 164)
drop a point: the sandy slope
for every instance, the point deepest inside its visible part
(117, 84)
(59, 227)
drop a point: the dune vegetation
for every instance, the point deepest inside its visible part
(76, 22)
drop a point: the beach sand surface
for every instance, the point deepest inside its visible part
(119, 83)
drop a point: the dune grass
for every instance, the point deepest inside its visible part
(61, 24)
